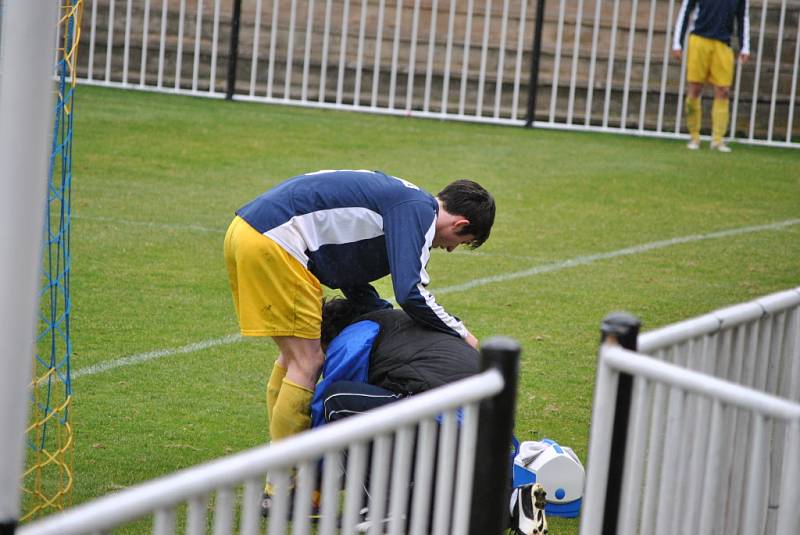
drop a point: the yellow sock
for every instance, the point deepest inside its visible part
(719, 119)
(274, 387)
(292, 411)
(694, 115)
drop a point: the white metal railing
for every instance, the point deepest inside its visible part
(755, 344)
(713, 436)
(389, 432)
(608, 68)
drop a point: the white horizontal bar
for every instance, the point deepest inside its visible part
(698, 383)
(132, 503)
(667, 336)
(778, 302)
(724, 318)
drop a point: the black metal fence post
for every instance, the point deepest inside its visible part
(8, 528)
(233, 53)
(492, 479)
(533, 85)
(621, 328)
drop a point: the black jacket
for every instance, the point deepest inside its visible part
(409, 358)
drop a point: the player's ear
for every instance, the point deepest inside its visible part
(459, 224)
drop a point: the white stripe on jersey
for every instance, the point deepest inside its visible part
(425, 279)
(309, 232)
(447, 319)
(676, 37)
(744, 47)
(425, 254)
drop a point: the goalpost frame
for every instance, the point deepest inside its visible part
(26, 93)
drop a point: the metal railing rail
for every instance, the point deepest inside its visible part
(682, 472)
(701, 434)
(194, 485)
(755, 344)
(370, 457)
(162, 496)
(465, 61)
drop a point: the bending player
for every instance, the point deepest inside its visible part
(342, 229)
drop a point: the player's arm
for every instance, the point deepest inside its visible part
(366, 295)
(681, 25)
(409, 230)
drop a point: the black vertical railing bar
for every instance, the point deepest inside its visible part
(492, 475)
(623, 329)
(533, 85)
(233, 53)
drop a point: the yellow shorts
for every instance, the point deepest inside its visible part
(709, 61)
(274, 294)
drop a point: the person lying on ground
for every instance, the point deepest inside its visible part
(386, 352)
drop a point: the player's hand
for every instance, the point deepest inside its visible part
(676, 53)
(744, 58)
(471, 340)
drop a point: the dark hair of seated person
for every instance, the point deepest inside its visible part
(338, 313)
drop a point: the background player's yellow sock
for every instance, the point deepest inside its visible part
(719, 119)
(693, 117)
(274, 387)
(292, 411)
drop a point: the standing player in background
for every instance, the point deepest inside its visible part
(343, 229)
(709, 59)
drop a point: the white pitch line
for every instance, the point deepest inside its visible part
(588, 259)
(151, 224)
(152, 355)
(536, 270)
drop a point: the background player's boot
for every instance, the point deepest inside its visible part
(720, 146)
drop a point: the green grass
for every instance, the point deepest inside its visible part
(157, 179)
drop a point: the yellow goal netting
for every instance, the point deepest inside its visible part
(47, 482)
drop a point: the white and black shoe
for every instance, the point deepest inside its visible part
(527, 510)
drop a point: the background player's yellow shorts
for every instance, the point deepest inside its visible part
(274, 294)
(709, 60)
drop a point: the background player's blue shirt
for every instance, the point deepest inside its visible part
(350, 228)
(715, 20)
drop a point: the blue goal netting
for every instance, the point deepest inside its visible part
(47, 482)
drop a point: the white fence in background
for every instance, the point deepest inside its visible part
(713, 439)
(232, 486)
(604, 64)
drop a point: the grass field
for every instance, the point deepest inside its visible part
(157, 179)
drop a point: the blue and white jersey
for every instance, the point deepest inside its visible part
(715, 21)
(350, 228)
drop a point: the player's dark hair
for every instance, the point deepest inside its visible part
(471, 201)
(338, 313)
